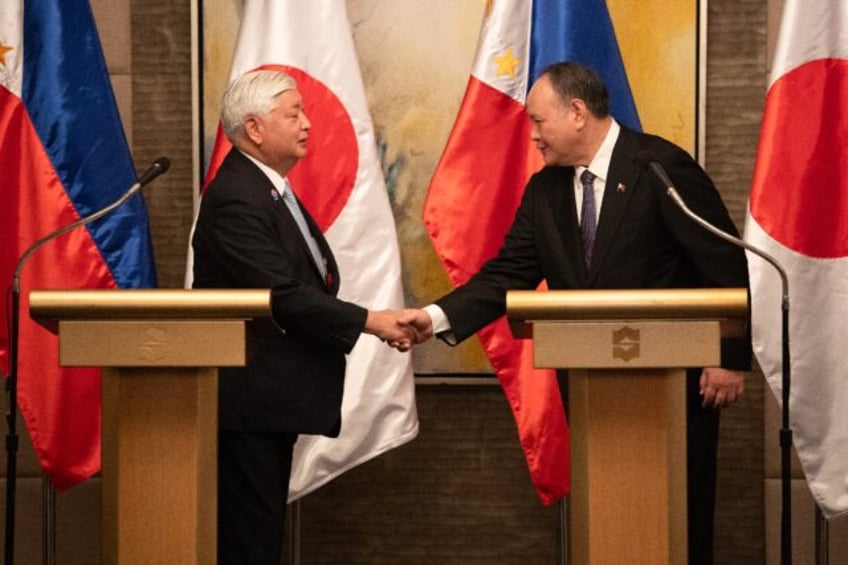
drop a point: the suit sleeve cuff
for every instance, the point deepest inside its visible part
(441, 324)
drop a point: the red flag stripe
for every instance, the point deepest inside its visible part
(61, 406)
(470, 205)
(485, 178)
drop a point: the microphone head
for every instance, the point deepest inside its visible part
(163, 163)
(159, 166)
(657, 168)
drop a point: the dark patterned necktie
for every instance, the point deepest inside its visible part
(587, 215)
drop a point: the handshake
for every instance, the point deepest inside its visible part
(400, 329)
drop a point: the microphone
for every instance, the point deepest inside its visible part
(657, 168)
(786, 379)
(159, 167)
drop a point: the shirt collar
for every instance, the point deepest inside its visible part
(601, 161)
(280, 182)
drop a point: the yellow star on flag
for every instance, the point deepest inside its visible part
(3, 50)
(507, 63)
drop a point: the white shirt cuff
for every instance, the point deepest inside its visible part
(441, 324)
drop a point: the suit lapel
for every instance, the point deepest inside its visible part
(621, 181)
(289, 226)
(332, 269)
(561, 202)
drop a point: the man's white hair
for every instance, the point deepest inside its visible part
(251, 94)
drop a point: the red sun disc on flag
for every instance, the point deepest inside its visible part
(801, 174)
(324, 179)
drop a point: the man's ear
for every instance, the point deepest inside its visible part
(580, 110)
(253, 128)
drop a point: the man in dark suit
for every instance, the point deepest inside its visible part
(252, 233)
(596, 217)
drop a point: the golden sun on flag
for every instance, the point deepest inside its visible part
(3, 50)
(507, 63)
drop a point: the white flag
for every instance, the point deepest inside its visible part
(799, 214)
(341, 184)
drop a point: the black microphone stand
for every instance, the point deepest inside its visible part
(159, 166)
(785, 430)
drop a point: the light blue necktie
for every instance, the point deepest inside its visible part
(300, 220)
(587, 215)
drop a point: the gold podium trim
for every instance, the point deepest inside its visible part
(149, 304)
(692, 303)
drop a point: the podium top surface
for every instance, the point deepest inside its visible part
(148, 304)
(630, 304)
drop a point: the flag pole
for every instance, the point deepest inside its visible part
(48, 521)
(294, 532)
(563, 532)
(785, 431)
(822, 538)
(12, 426)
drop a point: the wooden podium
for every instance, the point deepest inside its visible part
(626, 351)
(159, 350)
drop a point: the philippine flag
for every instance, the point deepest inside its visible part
(341, 184)
(798, 214)
(63, 156)
(480, 178)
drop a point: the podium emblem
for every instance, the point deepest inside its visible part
(153, 347)
(625, 343)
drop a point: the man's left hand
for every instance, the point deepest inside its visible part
(721, 387)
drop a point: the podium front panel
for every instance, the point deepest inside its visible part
(626, 344)
(152, 343)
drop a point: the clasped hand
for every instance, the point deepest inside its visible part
(400, 329)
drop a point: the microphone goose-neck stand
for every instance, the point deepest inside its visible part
(785, 430)
(157, 168)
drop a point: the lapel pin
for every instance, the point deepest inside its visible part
(620, 188)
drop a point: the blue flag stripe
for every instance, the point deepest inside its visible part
(69, 98)
(581, 31)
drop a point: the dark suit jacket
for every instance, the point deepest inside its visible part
(245, 237)
(642, 241)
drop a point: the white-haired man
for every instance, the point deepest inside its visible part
(252, 232)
